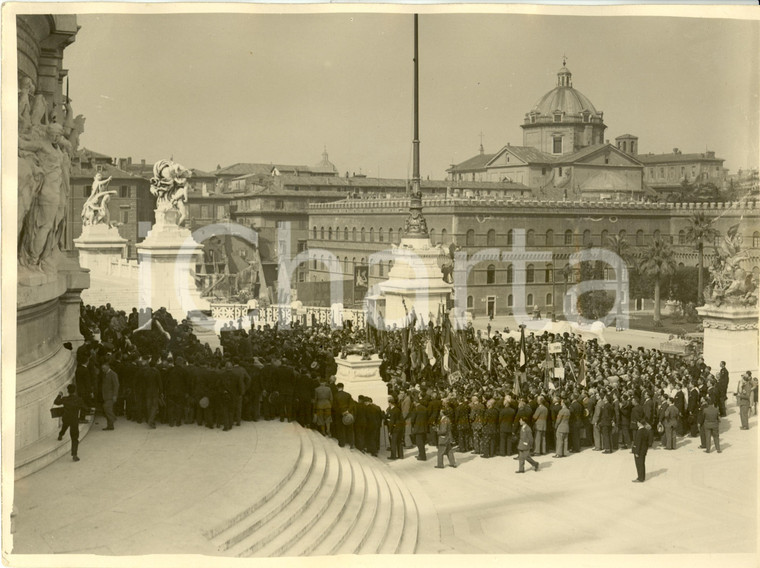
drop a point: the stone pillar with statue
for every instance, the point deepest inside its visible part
(167, 256)
(730, 313)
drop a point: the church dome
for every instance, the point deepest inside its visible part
(566, 100)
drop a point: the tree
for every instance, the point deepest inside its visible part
(658, 261)
(700, 229)
(622, 249)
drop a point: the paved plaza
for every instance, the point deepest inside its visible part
(140, 491)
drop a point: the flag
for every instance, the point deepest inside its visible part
(446, 358)
(523, 353)
(489, 361)
(582, 365)
(516, 384)
(429, 352)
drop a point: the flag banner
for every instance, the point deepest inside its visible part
(502, 361)
(454, 377)
(523, 352)
(446, 358)
(559, 372)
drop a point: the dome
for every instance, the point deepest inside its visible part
(564, 98)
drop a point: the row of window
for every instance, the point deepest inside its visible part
(659, 173)
(567, 238)
(125, 191)
(511, 302)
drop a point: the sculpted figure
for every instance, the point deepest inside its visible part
(43, 165)
(95, 210)
(730, 283)
(169, 185)
(25, 89)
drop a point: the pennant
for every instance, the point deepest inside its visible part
(523, 353)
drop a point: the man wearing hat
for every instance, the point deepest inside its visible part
(323, 407)
(419, 420)
(72, 406)
(374, 424)
(396, 425)
(744, 398)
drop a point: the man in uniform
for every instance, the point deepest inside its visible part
(562, 430)
(396, 426)
(524, 446)
(419, 419)
(711, 425)
(744, 397)
(72, 406)
(641, 442)
(506, 420)
(109, 388)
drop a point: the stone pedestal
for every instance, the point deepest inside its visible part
(415, 280)
(98, 246)
(362, 377)
(166, 275)
(731, 335)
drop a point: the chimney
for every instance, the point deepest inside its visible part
(142, 162)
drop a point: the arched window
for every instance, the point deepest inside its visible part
(549, 299)
(510, 301)
(470, 238)
(568, 237)
(530, 300)
(549, 273)
(681, 265)
(530, 274)
(530, 238)
(569, 274)
(345, 234)
(549, 238)
(605, 237)
(345, 264)
(587, 237)
(400, 234)
(353, 234)
(444, 237)
(390, 235)
(380, 236)
(639, 237)
(432, 235)
(622, 233)
(380, 269)
(681, 237)
(322, 233)
(510, 237)
(363, 234)
(372, 234)
(656, 234)
(756, 239)
(329, 233)
(470, 302)
(314, 233)
(490, 274)
(491, 238)
(510, 274)
(353, 264)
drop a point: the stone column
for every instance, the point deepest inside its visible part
(362, 377)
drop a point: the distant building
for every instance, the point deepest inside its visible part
(682, 174)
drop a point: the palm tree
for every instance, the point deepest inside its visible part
(658, 261)
(700, 229)
(622, 249)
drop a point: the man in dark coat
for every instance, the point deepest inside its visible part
(109, 388)
(506, 421)
(238, 385)
(606, 422)
(711, 425)
(286, 386)
(360, 424)
(153, 389)
(463, 426)
(490, 429)
(576, 425)
(73, 405)
(693, 407)
(434, 412)
(83, 380)
(396, 425)
(176, 383)
(252, 396)
(722, 388)
(374, 424)
(343, 404)
(641, 442)
(419, 420)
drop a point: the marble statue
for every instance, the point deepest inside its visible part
(169, 185)
(95, 210)
(43, 182)
(729, 283)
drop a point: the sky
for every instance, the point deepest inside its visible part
(217, 89)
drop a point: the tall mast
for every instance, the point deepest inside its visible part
(415, 223)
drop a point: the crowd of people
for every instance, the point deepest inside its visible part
(152, 369)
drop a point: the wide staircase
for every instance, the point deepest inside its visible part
(331, 501)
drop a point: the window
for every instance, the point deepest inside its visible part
(756, 239)
(491, 238)
(605, 236)
(432, 235)
(549, 238)
(86, 190)
(510, 237)
(549, 299)
(510, 301)
(656, 234)
(124, 191)
(587, 118)
(568, 273)
(380, 269)
(345, 265)
(313, 231)
(353, 234)
(557, 145)
(279, 204)
(345, 234)
(683, 171)
(639, 237)
(490, 274)
(622, 233)
(587, 237)
(533, 119)
(662, 173)
(329, 233)
(470, 238)
(549, 273)
(353, 264)
(510, 274)
(372, 234)
(568, 237)
(470, 302)
(390, 235)
(651, 173)
(124, 214)
(322, 233)
(530, 238)
(530, 274)
(363, 234)
(530, 300)
(444, 236)
(380, 234)
(557, 117)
